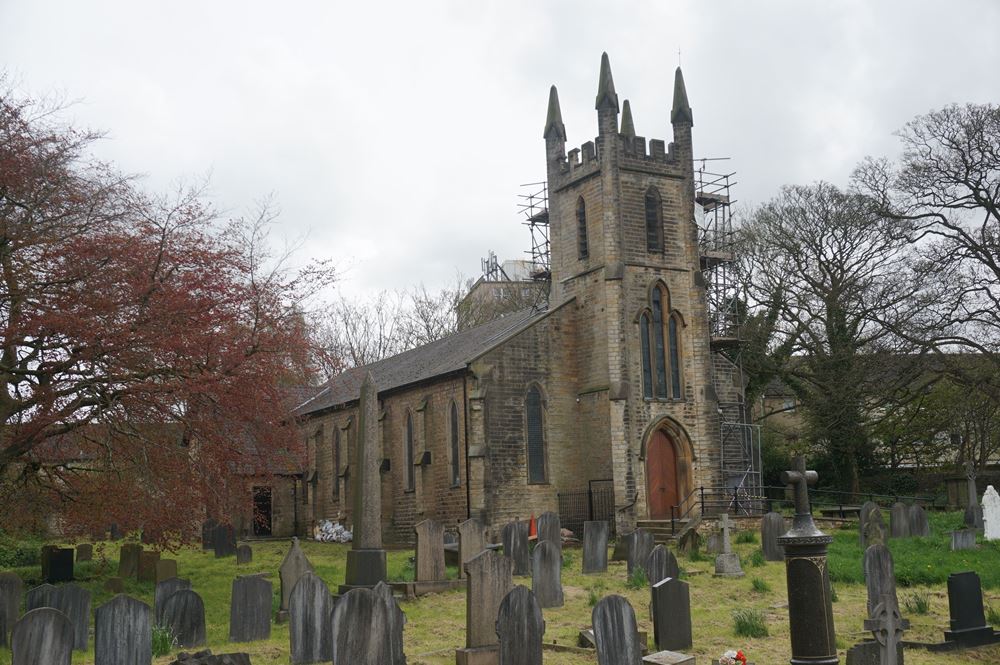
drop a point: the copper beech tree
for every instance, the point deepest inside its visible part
(148, 348)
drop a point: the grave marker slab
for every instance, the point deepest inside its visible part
(772, 527)
(471, 541)
(128, 560)
(395, 622)
(869, 653)
(361, 630)
(640, 547)
(549, 528)
(293, 567)
(963, 539)
(165, 569)
(622, 545)
(546, 574)
(968, 625)
(224, 540)
(11, 591)
(43, 635)
(595, 547)
(147, 566)
(514, 537)
(520, 628)
(208, 533)
(671, 614)
(74, 601)
(244, 554)
(39, 596)
(899, 521)
(880, 577)
(919, 527)
(164, 590)
(668, 658)
(660, 565)
(713, 543)
(887, 626)
(991, 514)
(875, 532)
(59, 566)
(84, 552)
(184, 616)
(310, 609)
(490, 579)
(122, 633)
(430, 551)
(250, 609)
(867, 509)
(616, 632)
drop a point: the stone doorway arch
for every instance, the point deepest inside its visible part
(669, 474)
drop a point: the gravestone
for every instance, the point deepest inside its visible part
(43, 558)
(671, 614)
(546, 574)
(549, 529)
(490, 579)
(919, 527)
(595, 547)
(616, 633)
(899, 521)
(310, 608)
(39, 596)
(244, 554)
(471, 541)
(11, 591)
(207, 534)
(963, 539)
(869, 652)
(42, 636)
(657, 565)
(74, 602)
(114, 585)
(640, 547)
(668, 658)
(184, 616)
(59, 566)
(520, 628)
(115, 533)
(713, 543)
(991, 514)
(623, 543)
(430, 551)
(293, 567)
(973, 517)
(880, 577)
(395, 622)
(128, 560)
(514, 537)
(250, 609)
(164, 590)
(875, 532)
(864, 514)
(727, 564)
(968, 625)
(224, 540)
(366, 558)
(887, 626)
(973, 511)
(122, 633)
(772, 527)
(147, 566)
(165, 569)
(362, 629)
(84, 552)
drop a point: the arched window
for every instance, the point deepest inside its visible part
(456, 476)
(536, 435)
(336, 463)
(659, 355)
(675, 360)
(660, 347)
(647, 359)
(581, 229)
(411, 479)
(654, 221)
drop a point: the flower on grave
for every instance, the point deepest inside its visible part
(733, 658)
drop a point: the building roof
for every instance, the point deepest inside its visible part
(444, 356)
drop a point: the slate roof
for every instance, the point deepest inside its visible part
(444, 356)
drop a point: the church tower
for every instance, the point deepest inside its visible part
(625, 257)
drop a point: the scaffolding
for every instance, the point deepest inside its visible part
(535, 207)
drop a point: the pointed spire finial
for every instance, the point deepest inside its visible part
(628, 128)
(554, 127)
(681, 111)
(606, 95)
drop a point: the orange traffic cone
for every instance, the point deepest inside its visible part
(532, 529)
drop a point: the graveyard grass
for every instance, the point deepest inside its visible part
(436, 624)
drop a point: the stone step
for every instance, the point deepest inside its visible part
(661, 529)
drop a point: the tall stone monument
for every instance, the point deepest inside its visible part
(810, 606)
(991, 514)
(366, 558)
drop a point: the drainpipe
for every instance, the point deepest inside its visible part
(468, 478)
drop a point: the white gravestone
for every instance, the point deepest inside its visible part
(991, 514)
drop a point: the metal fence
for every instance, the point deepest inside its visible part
(597, 502)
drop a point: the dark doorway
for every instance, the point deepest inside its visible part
(262, 511)
(661, 475)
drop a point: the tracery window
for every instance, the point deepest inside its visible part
(660, 347)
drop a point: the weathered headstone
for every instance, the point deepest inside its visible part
(660, 565)
(520, 628)
(244, 554)
(224, 540)
(727, 564)
(899, 521)
(147, 566)
(640, 547)
(208, 534)
(887, 626)
(74, 602)
(991, 514)
(546, 574)
(973, 511)
(39, 596)
(395, 622)
(623, 543)
(772, 527)
(864, 514)
(869, 652)
(973, 517)
(875, 532)
(122, 633)
(919, 526)
(366, 558)
(713, 543)
(361, 630)
(549, 528)
(968, 625)
(293, 567)
(11, 593)
(184, 616)
(880, 576)
(43, 635)
(250, 609)
(671, 614)
(128, 560)
(963, 539)
(430, 551)
(309, 611)
(165, 569)
(615, 632)
(84, 552)
(514, 537)
(43, 557)
(471, 541)
(59, 566)
(490, 578)
(595, 547)
(164, 590)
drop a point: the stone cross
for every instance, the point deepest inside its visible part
(727, 547)
(887, 626)
(802, 479)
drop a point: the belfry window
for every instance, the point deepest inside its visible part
(654, 221)
(536, 435)
(660, 348)
(581, 229)
(411, 480)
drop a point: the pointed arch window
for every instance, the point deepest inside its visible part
(660, 347)
(654, 221)
(336, 463)
(581, 229)
(456, 477)
(536, 435)
(411, 479)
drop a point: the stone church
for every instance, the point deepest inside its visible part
(616, 382)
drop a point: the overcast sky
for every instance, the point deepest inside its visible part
(395, 135)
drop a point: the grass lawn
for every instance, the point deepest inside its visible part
(436, 624)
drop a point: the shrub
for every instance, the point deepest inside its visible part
(992, 616)
(163, 640)
(18, 552)
(917, 603)
(593, 597)
(760, 586)
(756, 559)
(748, 622)
(833, 594)
(637, 580)
(746, 537)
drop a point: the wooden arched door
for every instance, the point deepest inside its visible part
(661, 475)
